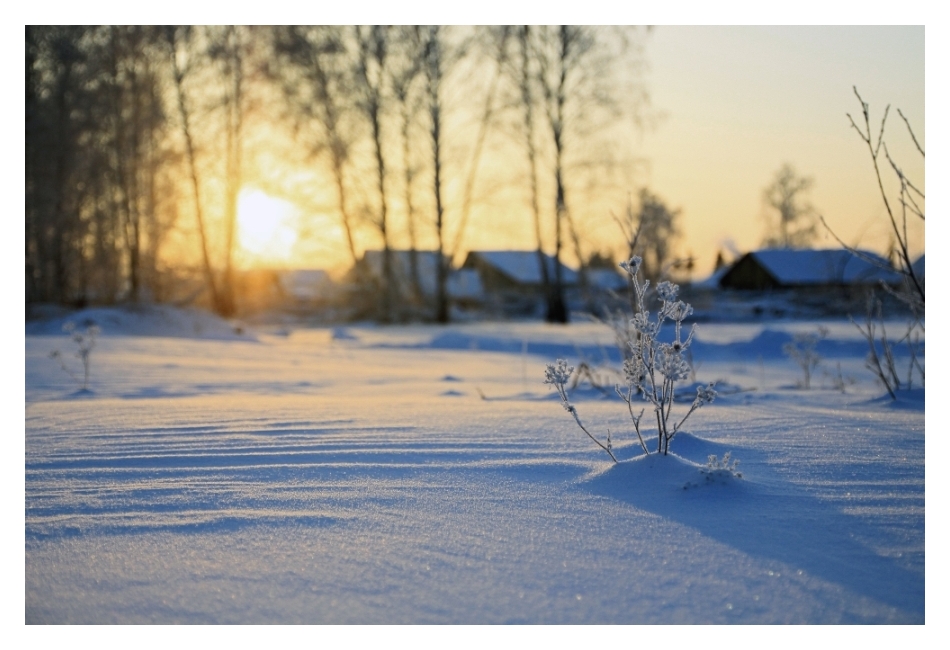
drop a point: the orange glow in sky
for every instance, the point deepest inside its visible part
(266, 232)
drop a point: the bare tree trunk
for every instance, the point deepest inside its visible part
(313, 79)
(433, 69)
(192, 168)
(338, 177)
(123, 200)
(527, 100)
(559, 314)
(234, 69)
(373, 46)
(402, 78)
(483, 127)
(410, 209)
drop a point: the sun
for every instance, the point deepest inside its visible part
(266, 232)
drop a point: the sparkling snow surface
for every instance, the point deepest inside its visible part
(426, 475)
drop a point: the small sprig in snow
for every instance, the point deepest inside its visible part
(557, 374)
(85, 340)
(716, 467)
(705, 395)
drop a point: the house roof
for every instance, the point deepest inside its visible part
(796, 267)
(522, 266)
(460, 283)
(919, 267)
(607, 279)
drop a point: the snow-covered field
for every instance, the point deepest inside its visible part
(426, 475)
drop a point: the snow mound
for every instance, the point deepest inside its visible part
(912, 399)
(655, 475)
(146, 320)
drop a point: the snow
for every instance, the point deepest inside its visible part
(419, 474)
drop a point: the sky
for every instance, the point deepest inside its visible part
(741, 101)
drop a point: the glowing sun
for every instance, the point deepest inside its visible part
(265, 226)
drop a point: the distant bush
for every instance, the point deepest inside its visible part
(801, 350)
(651, 370)
(85, 340)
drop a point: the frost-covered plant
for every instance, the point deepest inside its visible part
(839, 381)
(653, 367)
(725, 466)
(85, 341)
(801, 349)
(909, 204)
(557, 375)
(883, 364)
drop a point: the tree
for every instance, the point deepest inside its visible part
(179, 40)
(373, 45)
(436, 60)
(58, 114)
(797, 221)
(575, 85)
(658, 229)
(314, 74)
(404, 71)
(230, 48)
(522, 74)
(96, 154)
(495, 44)
(560, 51)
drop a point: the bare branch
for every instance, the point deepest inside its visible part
(880, 136)
(911, 131)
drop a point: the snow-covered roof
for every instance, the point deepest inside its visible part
(607, 279)
(828, 266)
(523, 266)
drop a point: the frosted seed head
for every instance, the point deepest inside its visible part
(557, 374)
(632, 266)
(667, 291)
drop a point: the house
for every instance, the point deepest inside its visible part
(407, 268)
(515, 271)
(511, 281)
(462, 286)
(784, 268)
(607, 279)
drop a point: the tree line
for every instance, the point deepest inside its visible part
(137, 145)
